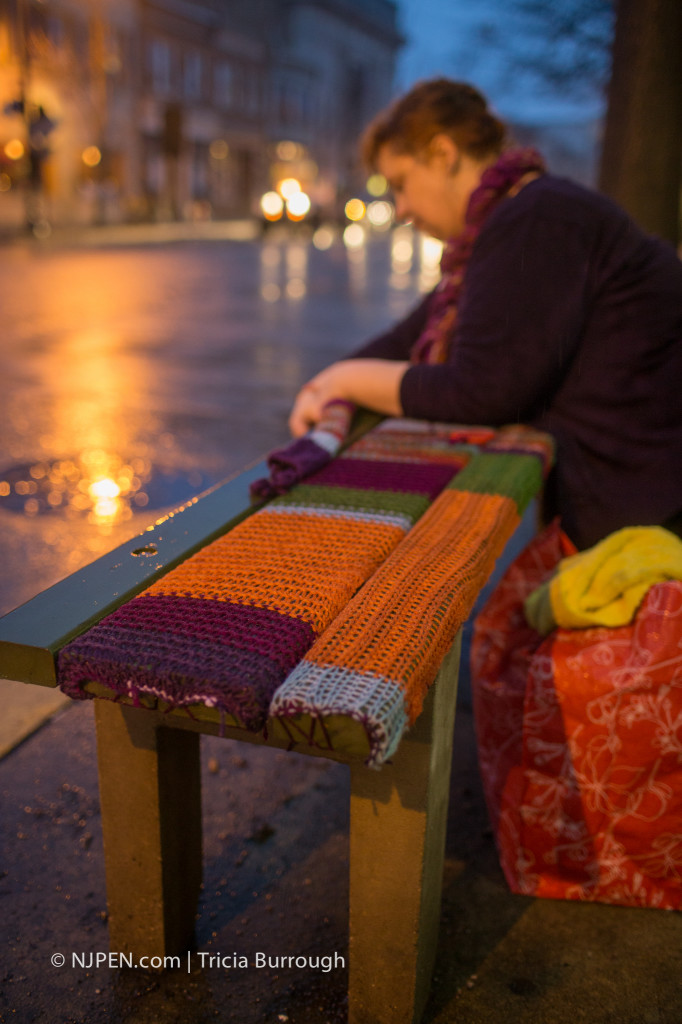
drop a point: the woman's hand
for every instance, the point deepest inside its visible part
(306, 411)
(313, 396)
(372, 383)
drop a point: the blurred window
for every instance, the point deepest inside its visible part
(194, 74)
(160, 65)
(223, 84)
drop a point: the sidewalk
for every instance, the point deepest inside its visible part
(246, 229)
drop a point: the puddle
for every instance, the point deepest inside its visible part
(99, 486)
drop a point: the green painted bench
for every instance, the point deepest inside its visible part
(149, 779)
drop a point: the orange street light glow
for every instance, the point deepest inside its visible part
(105, 488)
(354, 209)
(14, 149)
(297, 206)
(288, 187)
(91, 156)
(272, 206)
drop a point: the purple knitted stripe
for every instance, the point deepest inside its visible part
(245, 627)
(189, 651)
(405, 477)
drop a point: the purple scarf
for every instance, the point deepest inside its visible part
(433, 344)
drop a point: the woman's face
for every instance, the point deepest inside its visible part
(431, 191)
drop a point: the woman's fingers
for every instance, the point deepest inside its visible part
(306, 411)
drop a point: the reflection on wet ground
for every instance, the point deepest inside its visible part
(103, 487)
(134, 378)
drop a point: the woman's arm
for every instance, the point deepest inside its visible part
(371, 375)
(373, 383)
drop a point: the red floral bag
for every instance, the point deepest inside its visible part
(580, 743)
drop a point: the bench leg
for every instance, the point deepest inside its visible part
(397, 847)
(150, 794)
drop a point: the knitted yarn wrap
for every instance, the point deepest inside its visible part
(433, 344)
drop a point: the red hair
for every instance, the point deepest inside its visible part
(429, 109)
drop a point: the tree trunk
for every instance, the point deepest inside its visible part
(641, 164)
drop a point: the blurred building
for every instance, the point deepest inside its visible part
(184, 109)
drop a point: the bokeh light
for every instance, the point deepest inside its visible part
(287, 150)
(91, 156)
(323, 238)
(219, 149)
(354, 236)
(298, 206)
(377, 185)
(14, 149)
(272, 205)
(288, 187)
(354, 209)
(380, 213)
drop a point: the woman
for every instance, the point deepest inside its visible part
(554, 310)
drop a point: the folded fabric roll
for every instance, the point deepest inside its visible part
(605, 585)
(297, 460)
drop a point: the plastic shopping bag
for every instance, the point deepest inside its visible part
(580, 743)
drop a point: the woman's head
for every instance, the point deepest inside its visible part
(436, 107)
(432, 146)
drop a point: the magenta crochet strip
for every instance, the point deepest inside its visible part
(402, 477)
(166, 646)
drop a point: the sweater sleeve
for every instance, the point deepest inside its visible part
(397, 342)
(519, 324)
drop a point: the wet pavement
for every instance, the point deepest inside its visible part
(133, 376)
(136, 376)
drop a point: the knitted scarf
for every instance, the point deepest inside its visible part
(497, 181)
(304, 456)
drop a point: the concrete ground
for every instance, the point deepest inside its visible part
(275, 824)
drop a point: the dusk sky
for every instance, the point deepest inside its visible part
(482, 43)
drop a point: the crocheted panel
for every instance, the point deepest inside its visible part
(400, 625)
(383, 475)
(518, 439)
(153, 645)
(353, 501)
(414, 441)
(229, 624)
(394, 634)
(492, 472)
(325, 690)
(286, 563)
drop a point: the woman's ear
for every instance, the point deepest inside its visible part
(444, 150)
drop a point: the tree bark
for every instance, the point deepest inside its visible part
(641, 164)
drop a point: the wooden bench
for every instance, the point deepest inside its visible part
(149, 779)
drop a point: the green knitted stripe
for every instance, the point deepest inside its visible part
(513, 476)
(412, 505)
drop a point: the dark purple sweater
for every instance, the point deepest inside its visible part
(570, 321)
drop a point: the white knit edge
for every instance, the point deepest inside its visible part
(374, 701)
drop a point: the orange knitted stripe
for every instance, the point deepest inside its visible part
(306, 566)
(402, 622)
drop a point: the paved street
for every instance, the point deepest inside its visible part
(162, 367)
(133, 377)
